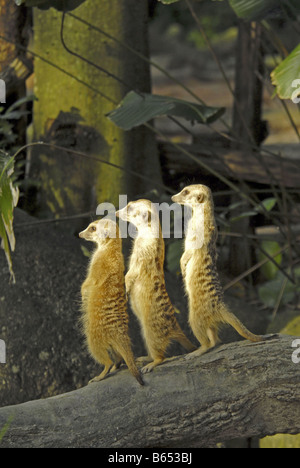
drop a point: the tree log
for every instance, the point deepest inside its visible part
(239, 389)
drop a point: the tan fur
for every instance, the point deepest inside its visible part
(105, 317)
(207, 310)
(145, 284)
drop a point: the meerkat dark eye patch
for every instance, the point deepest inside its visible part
(92, 229)
(185, 193)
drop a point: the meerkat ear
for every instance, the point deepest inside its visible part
(200, 198)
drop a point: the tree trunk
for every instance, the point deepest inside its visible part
(247, 127)
(237, 390)
(70, 114)
(15, 67)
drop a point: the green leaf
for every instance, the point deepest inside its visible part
(15, 115)
(260, 9)
(9, 196)
(246, 214)
(286, 77)
(269, 269)
(253, 9)
(292, 327)
(66, 5)
(137, 109)
(20, 102)
(268, 204)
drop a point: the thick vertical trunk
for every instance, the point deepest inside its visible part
(70, 114)
(247, 125)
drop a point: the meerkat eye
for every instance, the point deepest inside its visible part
(92, 229)
(185, 193)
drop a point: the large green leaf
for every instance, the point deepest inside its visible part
(137, 109)
(286, 77)
(259, 9)
(9, 196)
(253, 9)
(65, 5)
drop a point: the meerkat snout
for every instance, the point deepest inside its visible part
(100, 230)
(192, 195)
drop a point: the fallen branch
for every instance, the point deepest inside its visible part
(240, 389)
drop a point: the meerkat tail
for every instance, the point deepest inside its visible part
(232, 320)
(185, 342)
(133, 369)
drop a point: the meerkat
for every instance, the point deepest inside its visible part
(104, 305)
(145, 284)
(207, 310)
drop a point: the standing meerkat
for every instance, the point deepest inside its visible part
(207, 310)
(104, 304)
(145, 284)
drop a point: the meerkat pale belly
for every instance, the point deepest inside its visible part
(105, 318)
(207, 310)
(145, 284)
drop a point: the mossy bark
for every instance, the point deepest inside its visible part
(70, 114)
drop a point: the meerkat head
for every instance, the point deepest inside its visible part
(193, 195)
(100, 231)
(141, 213)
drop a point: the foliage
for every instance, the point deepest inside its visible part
(138, 108)
(5, 428)
(280, 441)
(7, 118)
(283, 77)
(269, 269)
(9, 195)
(260, 9)
(65, 5)
(269, 291)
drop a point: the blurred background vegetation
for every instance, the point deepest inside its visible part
(82, 124)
